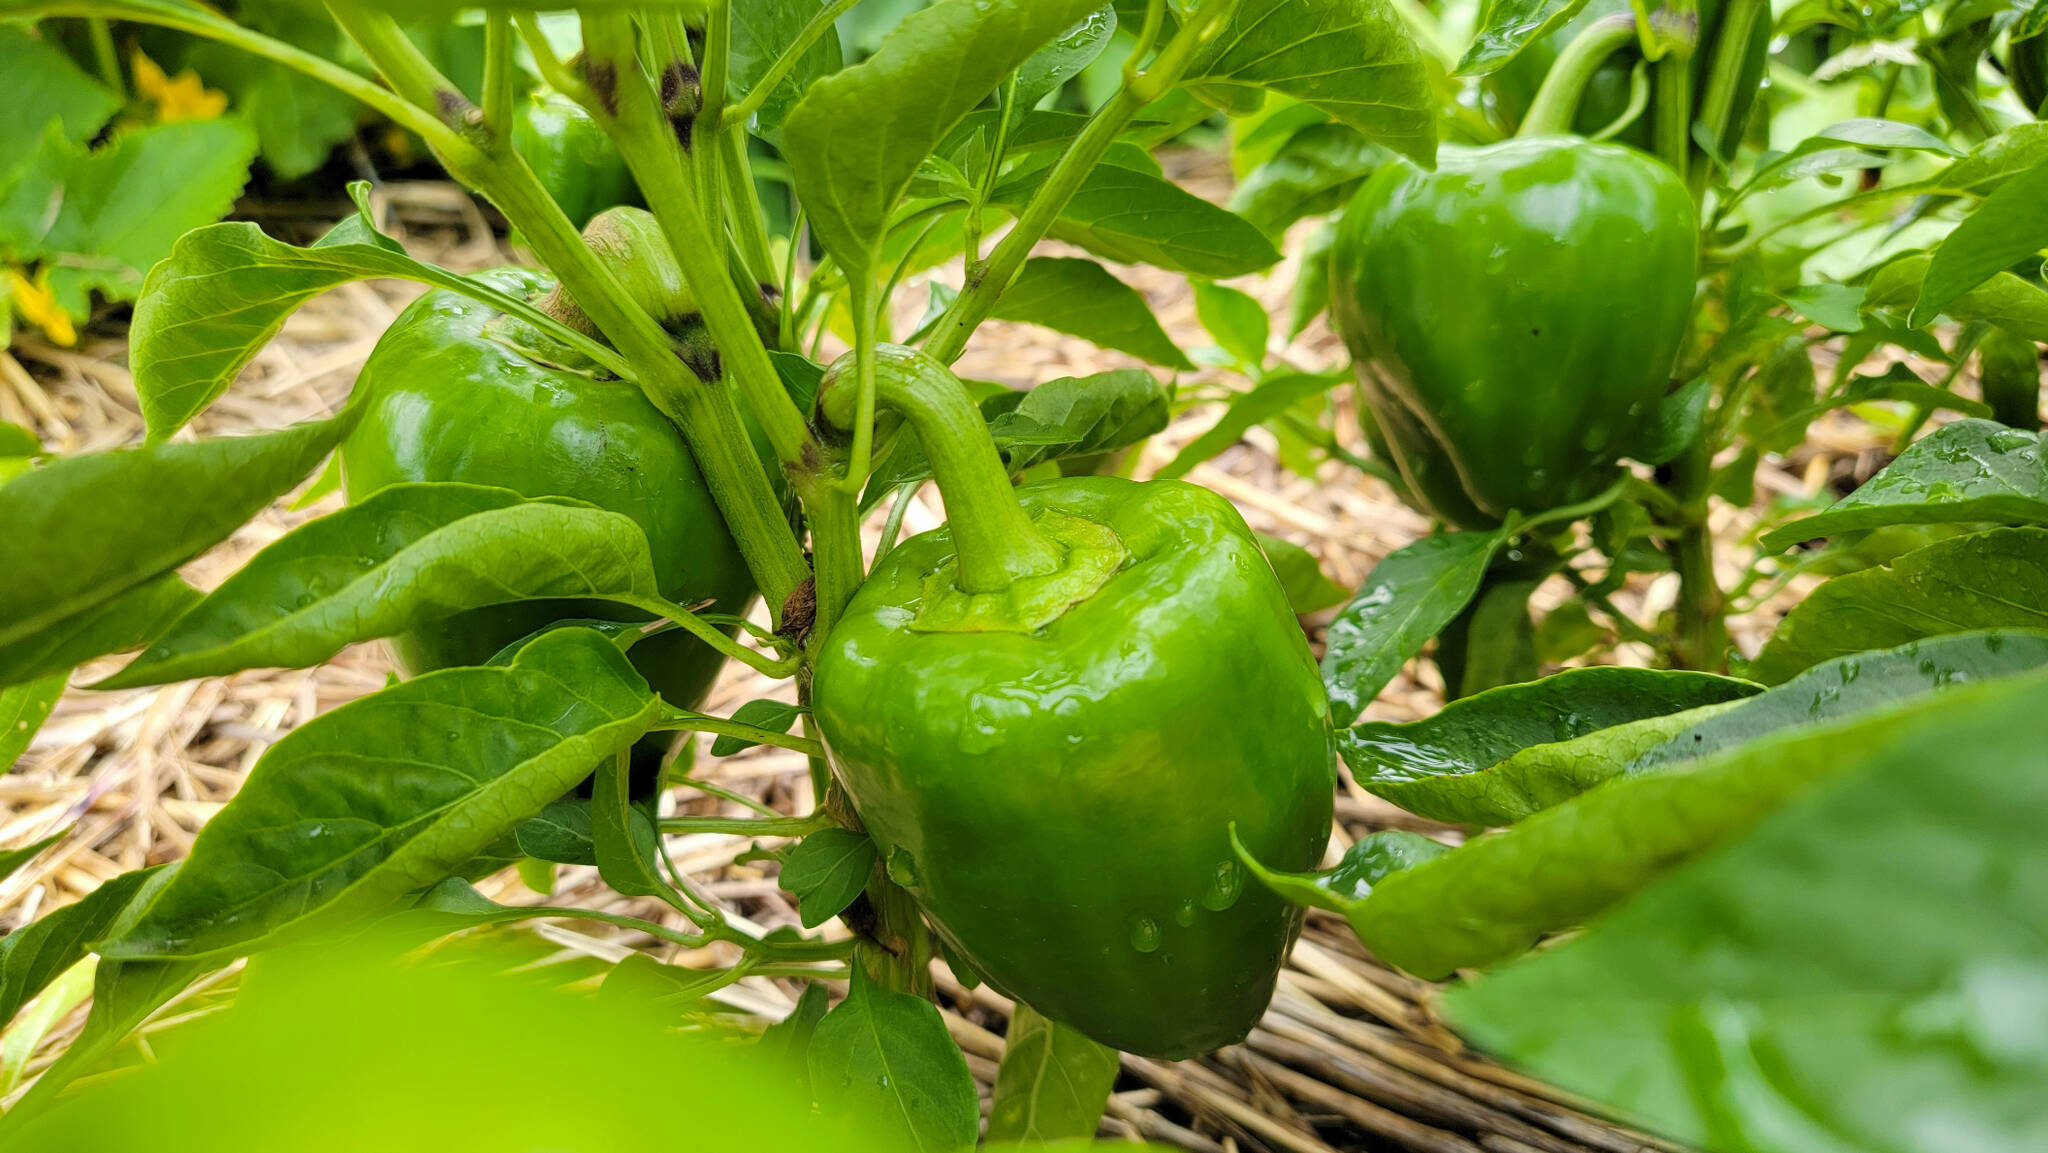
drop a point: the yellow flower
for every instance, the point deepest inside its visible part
(33, 301)
(181, 97)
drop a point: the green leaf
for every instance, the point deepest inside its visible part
(2010, 225)
(826, 871)
(1052, 1084)
(1354, 59)
(1410, 595)
(1846, 686)
(225, 290)
(23, 709)
(560, 832)
(13, 859)
(1971, 470)
(17, 442)
(777, 716)
(102, 218)
(1134, 217)
(1080, 416)
(1445, 767)
(1370, 860)
(1836, 307)
(1995, 161)
(299, 121)
(44, 85)
(1996, 579)
(857, 137)
(1674, 423)
(126, 622)
(1270, 398)
(1308, 590)
(393, 792)
(2009, 372)
(1844, 977)
(623, 836)
(2016, 305)
(1080, 298)
(1858, 143)
(1312, 285)
(1239, 323)
(1508, 26)
(644, 984)
(89, 528)
(1493, 897)
(124, 995)
(38, 952)
(1065, 57)
(1314, 172)
(887, 1055)
(406, 555)
(761, 33)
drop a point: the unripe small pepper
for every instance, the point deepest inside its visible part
(1513, 316)
(571, 155)
(1050, 713)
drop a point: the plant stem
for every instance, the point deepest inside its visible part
(993, 537)
(686, 721)
(1724, 78)
(404, 66)
(638, 125)
(1701, 637)
(748, 826)
(498, 78)
(987, 281)
(552, 70)
(1558, 99)
(104, 57)
(711, 69)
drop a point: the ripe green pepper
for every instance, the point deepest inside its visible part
(1048, 715)
(1513, 316)
(571, 155)
(461, 392)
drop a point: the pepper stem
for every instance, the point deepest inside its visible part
(994, 539)
(1565, 85)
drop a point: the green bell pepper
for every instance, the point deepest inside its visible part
(461, 392)
(1050, 713)
(1513, 317)
(571, 155)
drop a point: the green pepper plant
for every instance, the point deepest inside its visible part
(1031, 732)
(1542, 322)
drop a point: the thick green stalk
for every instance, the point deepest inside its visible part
(987, 281)
(1563, 87)
(993, 537)
(1701, 636)
(1724, 78)
(628, 107)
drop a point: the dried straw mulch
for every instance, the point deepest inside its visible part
(1351, 1054)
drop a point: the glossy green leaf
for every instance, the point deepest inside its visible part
(560, 833)
(826, 871)
(1081, 416)
(23, 709)
(1995, 161)
(406, 555)
(1370, 860)
(1837, 307)
(761, 33)
(1315, 172)
(1443, 766)
(857, 137)
(1052, 1084)
(89, 528)
(1508, 26)
(1543, 775)
(1971, 470)
(1238, 322)
(888, 1055)
(2017, 305)
(1354, 59)
(1080, 298)
(623, 837)
(645, 984)
(1996, 579)
(1410, 595)
(129, 621)
(225, 290)
(2010, 225)
(1493, 897)
(2009, 373)
(44, 85)
(1312, 285)
(99, 219)
(1847, 976)
(394, 792)
(1674, 424)
(1308, 590)
(1271, 397)
(1846, 686)
(776, 716)
(1065, 57)
(1134, 217)
(38, 952)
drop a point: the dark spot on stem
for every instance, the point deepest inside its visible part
(603, 78)
(799, 610)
